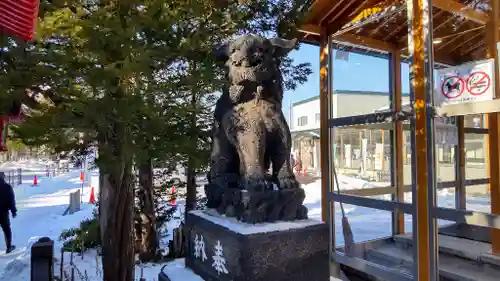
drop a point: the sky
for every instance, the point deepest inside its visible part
(360, 73)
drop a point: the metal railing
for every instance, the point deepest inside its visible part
(14, 177)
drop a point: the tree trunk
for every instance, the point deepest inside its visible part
(190, 188)
(191, 171)
(147, 214)
(116, 222)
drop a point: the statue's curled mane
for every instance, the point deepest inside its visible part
(253, 68)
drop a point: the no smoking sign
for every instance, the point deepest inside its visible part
(478, 83)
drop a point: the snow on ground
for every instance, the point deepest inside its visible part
(29, 168)
(367, 223)
(29, 165)
(41, 208)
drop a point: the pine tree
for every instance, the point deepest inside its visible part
(98, 61)
(106, 74)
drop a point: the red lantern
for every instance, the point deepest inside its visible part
(18, 17)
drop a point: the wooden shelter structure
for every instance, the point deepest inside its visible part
(429, 34)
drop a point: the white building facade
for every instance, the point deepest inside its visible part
(367, 151)
(305, 121)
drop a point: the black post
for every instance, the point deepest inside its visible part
(19, 176)
(42, 253)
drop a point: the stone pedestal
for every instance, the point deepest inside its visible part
(223, 249)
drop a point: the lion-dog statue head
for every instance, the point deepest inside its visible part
(253, 67)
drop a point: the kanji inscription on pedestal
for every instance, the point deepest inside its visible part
(199, 248)
(219, 263)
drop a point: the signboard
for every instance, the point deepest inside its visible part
(379, 156)
(348, 155)
(465, 83)
(364, 153)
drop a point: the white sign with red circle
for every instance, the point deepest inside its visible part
(452, 87)
(478, 83)
(465, 83)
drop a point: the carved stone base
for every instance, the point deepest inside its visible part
(280, 251)
(268, 205)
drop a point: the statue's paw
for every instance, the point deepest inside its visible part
(302, 213)
(253, 217)
(254, 183)
(288, 182)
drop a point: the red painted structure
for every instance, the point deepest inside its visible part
(17, 18)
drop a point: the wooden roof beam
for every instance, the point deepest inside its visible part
(469, 13)
(316, 10)
(451, 6)
(367, 42)
(352, 39)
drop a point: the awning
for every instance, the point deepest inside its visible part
(18, 17)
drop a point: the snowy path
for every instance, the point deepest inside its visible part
(40, 210)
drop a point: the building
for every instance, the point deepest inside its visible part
(305, 123)
(365, 151)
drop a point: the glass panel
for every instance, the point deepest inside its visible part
(407, 154)
(372, 228)
(460, 41)
(366, 223)
(476, 155)
(359, 96)
(363, 155)
(475, 121)
(363, 161)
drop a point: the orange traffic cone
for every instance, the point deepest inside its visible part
(92, 196)
(35, 181)
(173, 200)
(81, 176)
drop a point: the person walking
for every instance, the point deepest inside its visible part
(7, 203)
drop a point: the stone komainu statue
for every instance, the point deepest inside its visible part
(251, 136)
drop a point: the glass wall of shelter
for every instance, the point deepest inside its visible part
(417, 181)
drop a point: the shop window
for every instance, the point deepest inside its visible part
(474, 121)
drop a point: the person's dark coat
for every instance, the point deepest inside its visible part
(7, 198)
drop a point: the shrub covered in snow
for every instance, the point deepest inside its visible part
(87, 236)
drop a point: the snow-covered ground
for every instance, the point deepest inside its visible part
(41, 208)
(29, 168)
